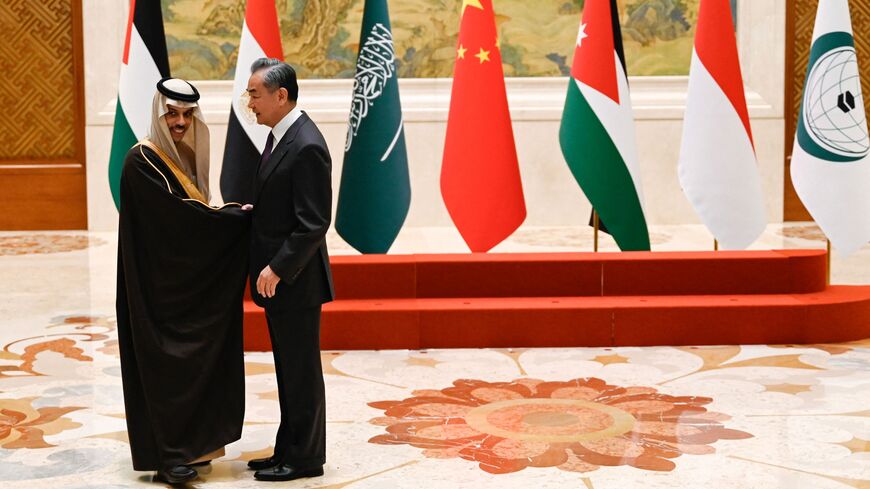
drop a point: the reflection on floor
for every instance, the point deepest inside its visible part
(718, 417)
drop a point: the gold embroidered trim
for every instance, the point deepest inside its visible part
(174, 169)
(186, 183)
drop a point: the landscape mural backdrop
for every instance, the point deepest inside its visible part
(320, 36)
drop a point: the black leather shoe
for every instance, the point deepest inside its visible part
(176, 475)
(262, 463)
(287, 473)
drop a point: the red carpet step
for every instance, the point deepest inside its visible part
(582, 299)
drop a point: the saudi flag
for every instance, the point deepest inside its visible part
(830, 167)
(597, 132)
(375, 190)
(144, 63)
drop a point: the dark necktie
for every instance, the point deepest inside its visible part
(268, 151)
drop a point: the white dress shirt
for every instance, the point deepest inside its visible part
(284, 124)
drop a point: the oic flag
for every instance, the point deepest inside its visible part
(718, 169)
(480, 174)
(375, 190)
(145, 63)
(597, 131)
(830, 167)
(245, 138)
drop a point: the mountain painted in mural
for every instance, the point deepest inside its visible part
(320, 36)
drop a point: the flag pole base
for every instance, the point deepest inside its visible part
(828, 258)
(596, 224)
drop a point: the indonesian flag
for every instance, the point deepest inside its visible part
(597, 131)
(480, 175)
(145, 63)
(246, 139)
(830, 167)
(718, 169)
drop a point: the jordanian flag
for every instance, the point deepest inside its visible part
(145, 62)
(375, 190)
(597, 132)
(246, 139)
(830, 167)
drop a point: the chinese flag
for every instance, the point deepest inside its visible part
(480, 175)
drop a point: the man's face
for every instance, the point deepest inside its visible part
(178, 120)
(269, 107)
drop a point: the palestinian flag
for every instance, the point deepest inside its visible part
(597, 131)
(144, 64)
(830, 166)
(375, 190)
(717, 168)
(261, 38)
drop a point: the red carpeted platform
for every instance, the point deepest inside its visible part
(582, 299)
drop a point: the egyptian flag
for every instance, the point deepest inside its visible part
(480, 175)
(830, 163)
(718, 169)
(597, 131)
(144, 64)
(261, 38)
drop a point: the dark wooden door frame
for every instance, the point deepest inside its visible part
(51, 193)
(793, 208)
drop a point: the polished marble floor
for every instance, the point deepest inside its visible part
(766, 416)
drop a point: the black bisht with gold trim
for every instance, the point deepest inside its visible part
(181, 276)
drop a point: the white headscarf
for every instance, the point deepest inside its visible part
(191, 155)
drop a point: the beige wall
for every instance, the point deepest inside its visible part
(552, 196)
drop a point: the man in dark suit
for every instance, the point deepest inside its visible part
(290, 273)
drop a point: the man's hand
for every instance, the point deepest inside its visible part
(267, 282)
(248, 207)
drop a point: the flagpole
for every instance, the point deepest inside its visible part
(828, 258)
(715, 244)
(595, 223)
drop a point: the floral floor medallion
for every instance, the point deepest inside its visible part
(577, 426)
(31, 244)
(810, 232)
(24, 426)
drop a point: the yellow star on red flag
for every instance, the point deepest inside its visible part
(471, 3)
(482, 55)
(460, 52)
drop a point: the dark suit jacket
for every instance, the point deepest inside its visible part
(292, 210)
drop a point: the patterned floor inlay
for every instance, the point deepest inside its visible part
(29, 244)
(729, 417)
